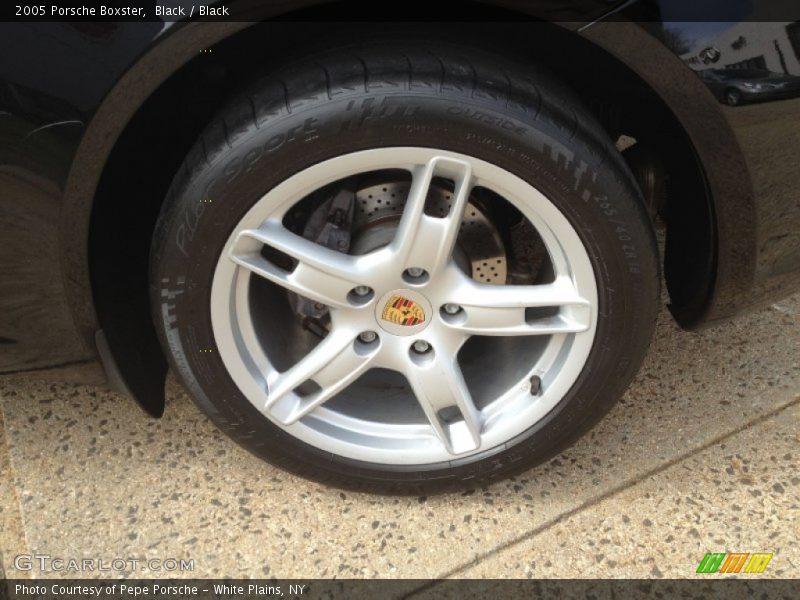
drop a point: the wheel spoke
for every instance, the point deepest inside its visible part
(306, 268)
(506, 310)
(424, 241)
(335, 363)
(441, 391)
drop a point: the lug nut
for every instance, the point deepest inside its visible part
(368, 336)
(421, 346)
(451, 309)
(361, 290)
(415, 271)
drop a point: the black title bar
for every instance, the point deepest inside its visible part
(579, 11)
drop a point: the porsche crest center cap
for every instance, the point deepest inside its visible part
(403, 312)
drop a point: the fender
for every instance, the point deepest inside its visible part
(119, 106)
(728, 179)
(136, 369)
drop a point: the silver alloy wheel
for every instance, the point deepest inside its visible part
(454, 425)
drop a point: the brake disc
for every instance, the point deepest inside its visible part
(378, 209)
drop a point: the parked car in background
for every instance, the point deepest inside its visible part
(734, 86)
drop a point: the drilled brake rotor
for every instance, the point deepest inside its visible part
(478, 240)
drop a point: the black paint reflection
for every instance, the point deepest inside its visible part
(740, 62)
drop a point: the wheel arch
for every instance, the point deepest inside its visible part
(699, 296)
(116, 319)
(110, 160)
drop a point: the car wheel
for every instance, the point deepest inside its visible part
(400, 265)
(733, 97)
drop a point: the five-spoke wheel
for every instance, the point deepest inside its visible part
(406, 306)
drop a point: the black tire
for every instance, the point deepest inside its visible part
(391, 94)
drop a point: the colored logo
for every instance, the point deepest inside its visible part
(402, 311)
(734, 562)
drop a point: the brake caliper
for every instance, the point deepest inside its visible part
(330, 225)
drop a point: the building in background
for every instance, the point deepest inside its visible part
(740, 48)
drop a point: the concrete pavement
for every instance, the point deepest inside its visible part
(700, 456)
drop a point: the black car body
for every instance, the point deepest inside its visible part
(95, 118)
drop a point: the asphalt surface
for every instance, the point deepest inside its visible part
(700, 456)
